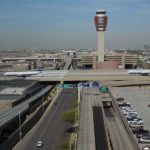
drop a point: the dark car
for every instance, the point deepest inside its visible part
(140, 131)
(120, 99)
(139, 135)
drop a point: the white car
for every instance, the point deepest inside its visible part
(144, 139)
(147, 147)
(39, 144)
(135, 122)
(135, 125)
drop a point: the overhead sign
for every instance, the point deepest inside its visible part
(66, 86)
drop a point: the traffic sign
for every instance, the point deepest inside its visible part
(66, 86)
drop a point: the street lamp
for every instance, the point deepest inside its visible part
(76, 129)
(79, 99)
(76, 122)
(43, 103)
(70, 145)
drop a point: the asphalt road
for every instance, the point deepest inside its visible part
(119, 137)
(86, 136)
(52, 130)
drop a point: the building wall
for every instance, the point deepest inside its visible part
(107, 65)
(121, 59)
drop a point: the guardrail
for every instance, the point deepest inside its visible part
(21, 108)
(116, 107)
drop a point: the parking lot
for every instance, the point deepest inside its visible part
(134, 101)
(139, 98)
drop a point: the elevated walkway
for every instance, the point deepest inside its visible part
(68, 63)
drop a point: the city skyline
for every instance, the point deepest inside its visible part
(70, 24)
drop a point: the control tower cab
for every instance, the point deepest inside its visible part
(100, 20)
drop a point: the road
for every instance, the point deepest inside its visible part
(119, 137)
(86, 139)
(52, 130)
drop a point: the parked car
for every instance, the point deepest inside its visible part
(129, 118)
(139, 130)
(126, 108)
(124, 104)
(135, 126)
(139, 135)
(144, 139)
(147, 147)
(136, 122)
(130, 115)
(120, 99)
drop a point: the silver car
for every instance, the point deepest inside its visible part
(144, 139)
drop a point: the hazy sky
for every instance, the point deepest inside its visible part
(70, 23)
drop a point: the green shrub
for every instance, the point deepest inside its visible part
(65, 145)
(69, 116)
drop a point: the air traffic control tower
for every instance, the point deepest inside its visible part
(100, 23)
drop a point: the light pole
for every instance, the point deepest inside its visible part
(79, 100)
(20, 132)
(70, 145)
(43, 103)
(76, 129)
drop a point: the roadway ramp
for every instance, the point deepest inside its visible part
(86, 138)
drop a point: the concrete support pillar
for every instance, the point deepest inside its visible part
(100, 46)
